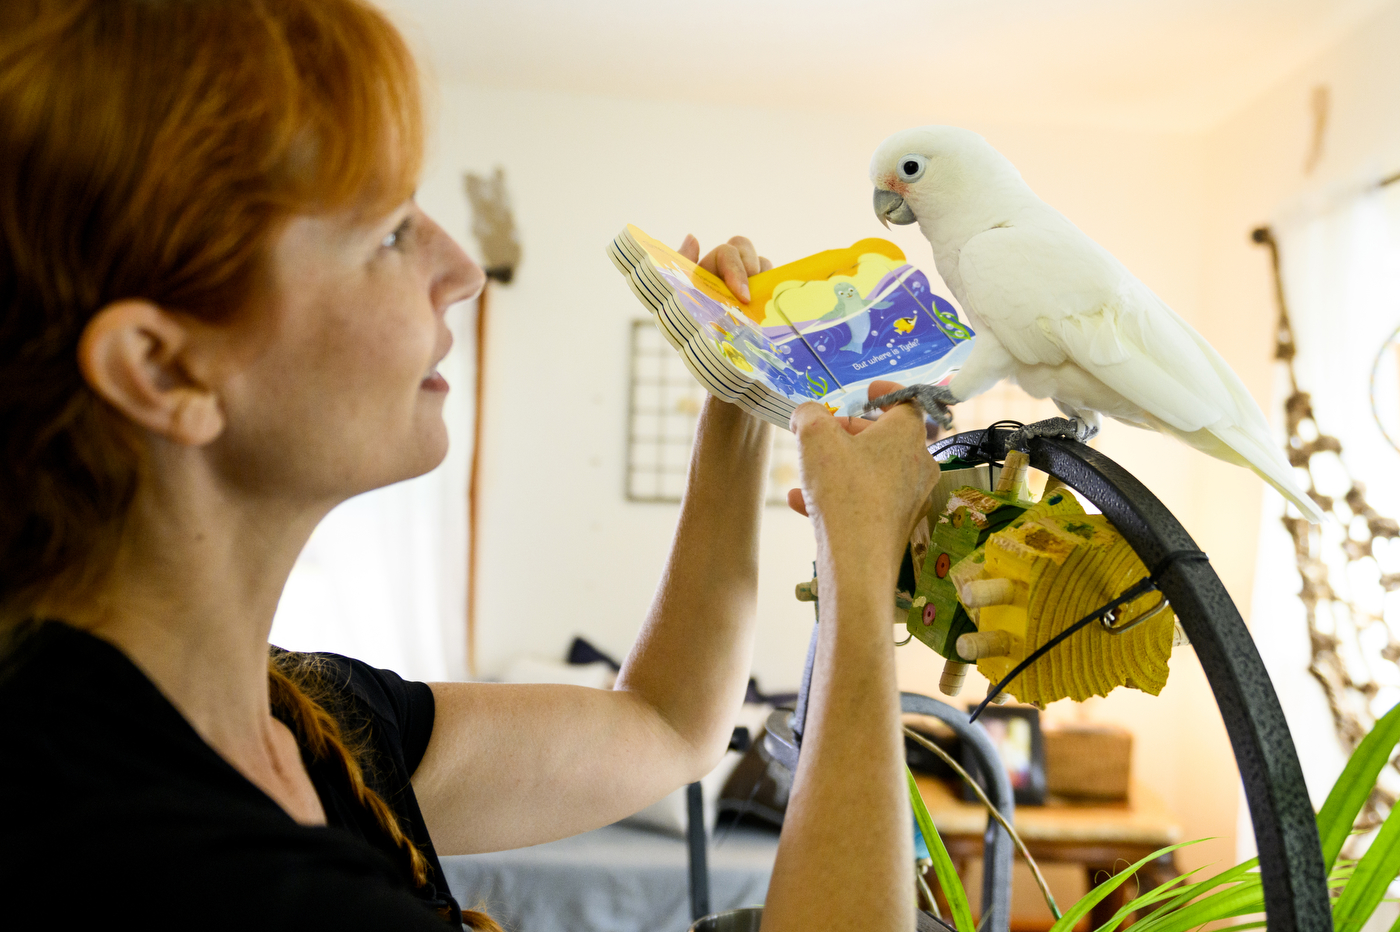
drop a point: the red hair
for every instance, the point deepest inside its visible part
(153, 149)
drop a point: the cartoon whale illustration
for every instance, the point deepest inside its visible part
(850, 309)
(849, 301)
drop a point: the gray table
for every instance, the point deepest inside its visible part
(614, 879)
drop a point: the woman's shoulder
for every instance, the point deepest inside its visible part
(101, 766)
(89, 725)
(52, 673)
(399, 713)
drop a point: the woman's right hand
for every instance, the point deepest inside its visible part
(864, 483)
(846, 850)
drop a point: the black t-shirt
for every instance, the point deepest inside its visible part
(114, 808)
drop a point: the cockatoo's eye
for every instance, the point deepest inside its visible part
(911, 167)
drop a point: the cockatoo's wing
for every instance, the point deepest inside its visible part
(1053, 296)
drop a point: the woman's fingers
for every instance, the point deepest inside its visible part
(734, 262)
(902, 419)
(747, 254)
(729, 265)
(881, 387)
(690, 248)
(810, 419)
(863, 480)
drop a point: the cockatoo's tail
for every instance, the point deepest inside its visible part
(1059, 315)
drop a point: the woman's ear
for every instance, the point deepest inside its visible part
(134, 354)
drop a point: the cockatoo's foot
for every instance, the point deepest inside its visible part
(1071, 428)
(934, 399)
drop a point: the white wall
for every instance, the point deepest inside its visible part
(1258, 167)
(562, 547)
(563, 552)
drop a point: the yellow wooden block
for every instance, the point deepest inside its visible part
(1064, 564)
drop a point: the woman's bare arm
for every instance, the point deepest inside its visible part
(517, 765)
(845, 859)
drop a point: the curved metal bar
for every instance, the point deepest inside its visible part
(998, 848)
(1290, 853)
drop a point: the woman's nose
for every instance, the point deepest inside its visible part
(458, 277)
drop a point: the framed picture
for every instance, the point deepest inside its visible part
(1015, 732)
(663, 405)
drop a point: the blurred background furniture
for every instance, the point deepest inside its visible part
(620, 878)
(1103, 836)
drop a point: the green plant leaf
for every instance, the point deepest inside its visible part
(1354, 785)
(942, 864)
(1167, 890)
(1373, 874)
(1243, 898)
(1089, 900)
(1162, 914)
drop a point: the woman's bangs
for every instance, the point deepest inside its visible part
(361, 108)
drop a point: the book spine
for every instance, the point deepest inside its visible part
(705, 363)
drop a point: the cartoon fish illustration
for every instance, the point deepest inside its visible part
(750, 347)
(905, 324)
(736, 357)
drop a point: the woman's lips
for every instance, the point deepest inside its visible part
(434, 383)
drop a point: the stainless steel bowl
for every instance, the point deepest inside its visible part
(745, 919)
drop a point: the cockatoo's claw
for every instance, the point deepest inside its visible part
(1069, 428)
(933, 399)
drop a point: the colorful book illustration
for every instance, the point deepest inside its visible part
(818, 329)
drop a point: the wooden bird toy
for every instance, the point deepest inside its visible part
(1003, 576)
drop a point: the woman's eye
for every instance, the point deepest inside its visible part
(394, 239)
(911, 167)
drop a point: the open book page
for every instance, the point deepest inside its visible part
(819, 329)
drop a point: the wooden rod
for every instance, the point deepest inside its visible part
(474, 476)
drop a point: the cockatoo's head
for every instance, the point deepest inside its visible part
(920, 172)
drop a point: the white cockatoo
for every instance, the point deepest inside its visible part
(1057, 313)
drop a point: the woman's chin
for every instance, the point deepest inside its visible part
(420, 455)
(429, 454)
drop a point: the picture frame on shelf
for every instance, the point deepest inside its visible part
(1016, 734)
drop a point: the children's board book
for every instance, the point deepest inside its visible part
(818, 329)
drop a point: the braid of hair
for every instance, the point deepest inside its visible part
(320, 733)
(295, 689)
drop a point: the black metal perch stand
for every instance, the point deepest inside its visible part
(1285, 827)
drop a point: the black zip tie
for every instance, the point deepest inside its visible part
(1135, 591)
(988, 435)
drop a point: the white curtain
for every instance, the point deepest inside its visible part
(1341, 275)
(383, 578)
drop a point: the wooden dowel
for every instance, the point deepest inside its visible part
(474, 476)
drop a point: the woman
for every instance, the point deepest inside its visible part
(220, 316)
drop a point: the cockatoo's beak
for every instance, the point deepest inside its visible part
(890, 208)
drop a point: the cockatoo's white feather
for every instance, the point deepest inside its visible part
(1057, 313)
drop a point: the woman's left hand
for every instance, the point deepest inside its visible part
(734, 262)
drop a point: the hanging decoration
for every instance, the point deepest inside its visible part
(1347, 630)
